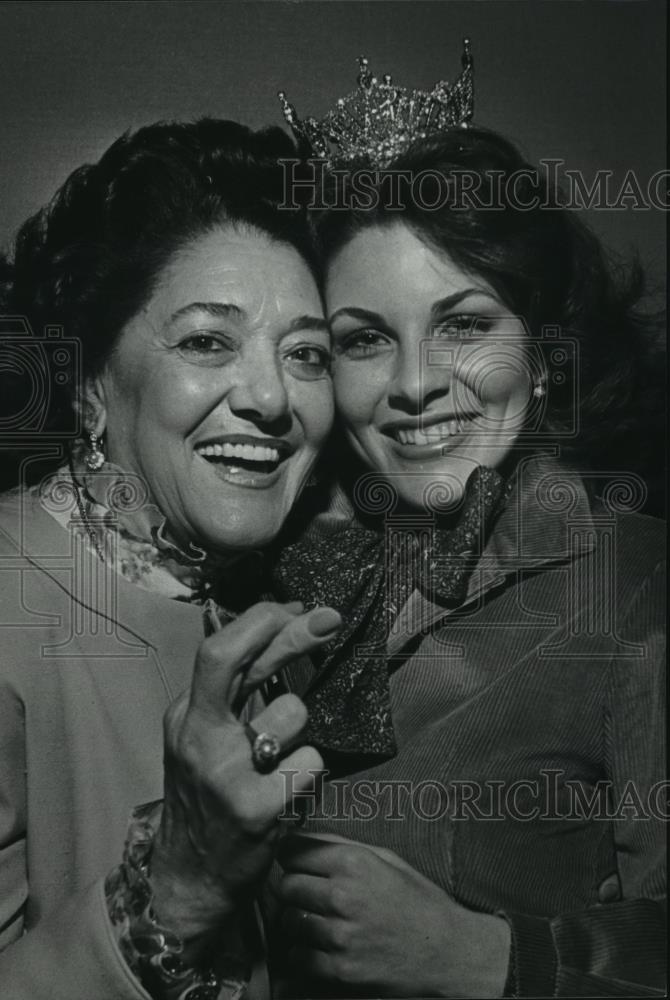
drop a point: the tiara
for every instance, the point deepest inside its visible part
(378, 121)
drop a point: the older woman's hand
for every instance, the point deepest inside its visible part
(361, 917)
(220, 826)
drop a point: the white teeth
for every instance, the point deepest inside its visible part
(248, 452)
(432, 434)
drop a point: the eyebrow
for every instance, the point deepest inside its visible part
(443, 305)
(365, 315)
(308, 323)
(227, 310)
(217, 309)
(437, 309)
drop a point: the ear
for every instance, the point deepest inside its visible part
(91, 406)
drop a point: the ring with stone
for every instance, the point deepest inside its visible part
(265, 749)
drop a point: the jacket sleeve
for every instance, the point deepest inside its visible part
(70, 954)
(616, 948)
(73, 952)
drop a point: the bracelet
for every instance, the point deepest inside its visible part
(152, 951)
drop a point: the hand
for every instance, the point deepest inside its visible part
(362, 917)
(219, 827)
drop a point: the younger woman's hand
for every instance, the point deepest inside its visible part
(362, 918)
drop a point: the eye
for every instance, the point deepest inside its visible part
(364, 344)
(463, 326)
(206, 347)
(307, 361)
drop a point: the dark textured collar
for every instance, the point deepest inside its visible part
(547, 521)
(398, 576)
(368, 569)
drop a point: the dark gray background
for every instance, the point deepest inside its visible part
(579, 80)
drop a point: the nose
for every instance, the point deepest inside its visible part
(422, 375)
(259, 394)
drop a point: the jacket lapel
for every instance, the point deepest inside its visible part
(125, 620)
(547, 522)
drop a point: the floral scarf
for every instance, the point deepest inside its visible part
(131, 535)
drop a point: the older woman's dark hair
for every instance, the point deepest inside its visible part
(89, 261)
(472, 203)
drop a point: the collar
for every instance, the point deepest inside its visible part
(132, 534)
(134, 618)
(547, 521)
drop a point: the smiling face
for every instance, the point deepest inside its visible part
(430, 369)
(218, 392)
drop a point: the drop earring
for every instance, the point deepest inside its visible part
(95, 458)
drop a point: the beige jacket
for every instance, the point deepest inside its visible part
(88, 666)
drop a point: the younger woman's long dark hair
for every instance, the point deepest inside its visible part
(549, 268)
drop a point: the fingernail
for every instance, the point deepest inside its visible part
(324, 620)
(296, 607)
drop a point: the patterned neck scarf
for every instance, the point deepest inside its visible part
(368, 572)
(132, 536)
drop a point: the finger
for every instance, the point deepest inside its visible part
(285, 718)
(313, 963)
(225, 654)
(303, 855)
(295, 607)
(306, 892)
(298, 774)
(381, 852)
(307, 928)
(391, 858)
(301, 635)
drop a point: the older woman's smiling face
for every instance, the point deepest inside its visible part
(218, 392)
(430, 369)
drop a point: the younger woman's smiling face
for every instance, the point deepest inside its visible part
(430, 367)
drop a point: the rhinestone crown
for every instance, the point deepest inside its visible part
(378, 121)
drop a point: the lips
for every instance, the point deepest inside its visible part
(244, 458)
(421, 440)
(430, 435)
(248, 447)
(248, 452)
(424, 432)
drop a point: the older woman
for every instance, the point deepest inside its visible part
(492, 709)
(173, 448)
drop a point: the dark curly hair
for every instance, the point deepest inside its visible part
(89, 260)
(547, 267)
